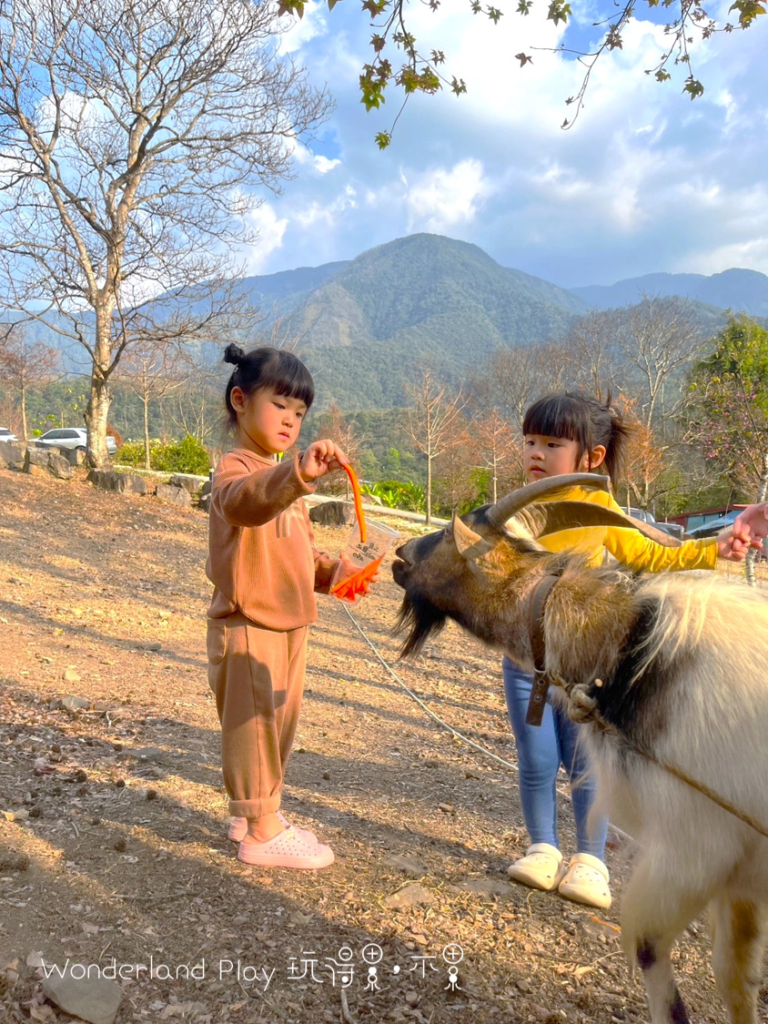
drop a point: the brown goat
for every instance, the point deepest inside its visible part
(675, 667)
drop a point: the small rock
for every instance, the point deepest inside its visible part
(408, 865)
(446, 808)
(412, 895)
(144, 753)
(95, 1000)
(486, 887)
(189, 482)
(110, 480)
(524, 985)
(331, 513)
(59, 466)
(412, 999)
(174, 495)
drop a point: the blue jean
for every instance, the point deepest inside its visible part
(540, 752)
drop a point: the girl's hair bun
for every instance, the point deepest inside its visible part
(233, 354)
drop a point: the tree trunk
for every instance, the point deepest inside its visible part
(24, 433)
(146, 432)
(753, 553)
(97, 410)
(429, 490)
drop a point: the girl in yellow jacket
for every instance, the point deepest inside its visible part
(570, 433)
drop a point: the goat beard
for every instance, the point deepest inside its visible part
(422, 618)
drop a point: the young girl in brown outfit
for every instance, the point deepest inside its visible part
(265, 569)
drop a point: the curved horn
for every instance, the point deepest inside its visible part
(512, 503)
(554, 516)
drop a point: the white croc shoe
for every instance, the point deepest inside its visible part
(541, 868)
(586, 881)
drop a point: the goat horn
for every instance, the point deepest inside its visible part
(554, 516)
(512, 503)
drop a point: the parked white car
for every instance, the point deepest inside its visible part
(69, 437)
(6, 435)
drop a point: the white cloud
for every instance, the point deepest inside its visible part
(323, 165)
(646, 180)
(326, 213)
(306, 158)
(441, 199)
(271, 229)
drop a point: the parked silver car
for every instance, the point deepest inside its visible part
(69, 437)
(6, 435)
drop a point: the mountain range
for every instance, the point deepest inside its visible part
(364, 325)
(743, 291)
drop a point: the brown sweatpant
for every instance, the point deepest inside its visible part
(257, 676)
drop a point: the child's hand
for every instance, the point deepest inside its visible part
(735, 547)
(320, 458)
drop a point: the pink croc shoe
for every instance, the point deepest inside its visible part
(239, 826)
(288, 849)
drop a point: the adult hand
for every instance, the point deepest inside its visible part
(734, 547)
(752, 523)
(320, 458)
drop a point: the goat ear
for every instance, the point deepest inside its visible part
(553, 516)
(469, 544)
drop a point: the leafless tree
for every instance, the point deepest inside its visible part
(197, 407)
(25, 365)
(454, 483)
(512, 378)
(152, 369)
(659, 337)
(594, 356)
(135, 134)
(335, 425)
(495, 442)
(435, 421)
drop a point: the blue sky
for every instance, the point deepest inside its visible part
(645, 181)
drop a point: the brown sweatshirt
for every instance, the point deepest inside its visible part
(261, 554)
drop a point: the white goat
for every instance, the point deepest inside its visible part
(676, 669)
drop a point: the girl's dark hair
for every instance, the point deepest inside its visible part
(585, 421)
(267, 368)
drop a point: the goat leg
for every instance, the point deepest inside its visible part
(649, 928)
(739, 927)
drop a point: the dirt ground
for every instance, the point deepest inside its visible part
(113, 847)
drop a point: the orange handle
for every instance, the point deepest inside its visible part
(358, 500)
